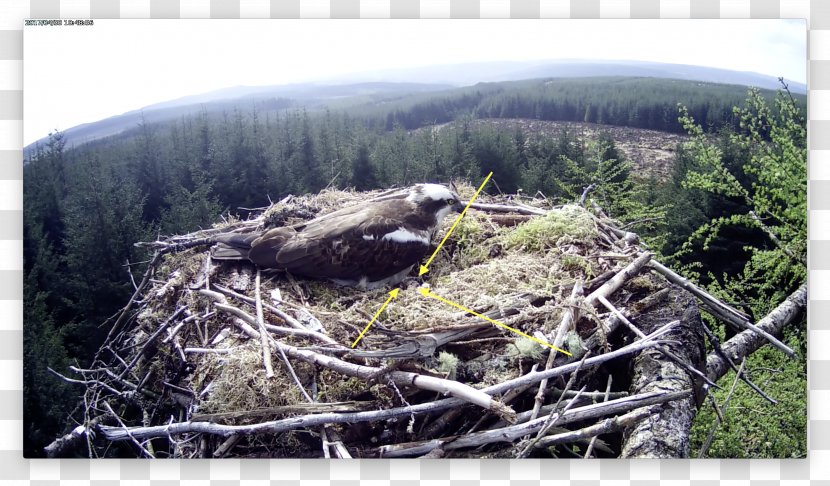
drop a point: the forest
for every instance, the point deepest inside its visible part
(731, 214)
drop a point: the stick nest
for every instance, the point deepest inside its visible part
(176, 357)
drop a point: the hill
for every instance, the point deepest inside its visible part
(387, 88)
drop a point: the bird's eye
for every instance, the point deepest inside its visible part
(450, 202)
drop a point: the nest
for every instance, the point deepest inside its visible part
(183, 372)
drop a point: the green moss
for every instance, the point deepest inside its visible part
(577, 263)
(447, 364)
(525, 348)
(570, 224)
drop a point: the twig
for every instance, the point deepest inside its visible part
(208, 350)
(226, 446)
(607, 426)
(150, 339)
(313, 420)
(127, 430)
(594, 438)
(504, 208)
(513, 432)
(666, 352)
(715, 342)
(279, 313)
(570, 316)
(122, 318)
(550, 421)
(619, 279)
(130, 273)
(718, 308)
(336, 443)
(772, 236)
(585, 194)
(263, 334)
(640, 221)
(747, 341)
(293, 374)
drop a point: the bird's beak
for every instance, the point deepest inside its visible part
(458, 207)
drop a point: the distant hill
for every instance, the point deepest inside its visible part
(472, 73)
(386, 86)
(264, 98)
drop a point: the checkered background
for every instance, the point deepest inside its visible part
(813, 471)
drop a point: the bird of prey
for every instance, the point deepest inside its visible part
(368, 245)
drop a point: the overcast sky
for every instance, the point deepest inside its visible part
(75, 75)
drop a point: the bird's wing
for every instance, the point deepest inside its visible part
(348, 247)
(264, 249)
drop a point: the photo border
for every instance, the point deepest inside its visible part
(402, 472)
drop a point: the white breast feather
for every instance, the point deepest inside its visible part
(403, 235)
(443, 212)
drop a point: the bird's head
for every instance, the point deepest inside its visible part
(435, 199)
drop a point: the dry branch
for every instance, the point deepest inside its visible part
(450, 387)
(718, 308)
(745, 343)
(514, 432)
(263, 335)
(607, 426)
(114, 433)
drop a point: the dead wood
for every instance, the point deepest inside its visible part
(745, 343)
(668, 435)
(607, 426)
(718, 308)
(513, 432)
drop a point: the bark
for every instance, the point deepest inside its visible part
(666, 433)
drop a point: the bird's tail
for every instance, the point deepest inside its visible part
(231, 246)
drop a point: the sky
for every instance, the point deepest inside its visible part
(80, 74)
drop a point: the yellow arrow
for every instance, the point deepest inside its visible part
(425, 268)
(426, 293)
(393, 294)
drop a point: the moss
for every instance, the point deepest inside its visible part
(238, 381)
(447, 364)
(577, 263)
(570, 224)
(525, 348)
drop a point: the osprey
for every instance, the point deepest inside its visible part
(367, 245)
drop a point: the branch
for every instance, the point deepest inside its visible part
(505, 208)
(607, 426)
(293, 423)
(720, 412)
(454, 388)
(263, 335)
(746, 342)
(718, 308)
(513, 432)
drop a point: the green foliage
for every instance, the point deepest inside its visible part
(766, 193)
(772, 186)
(755, 428)
(196, 208)
(622, 101)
